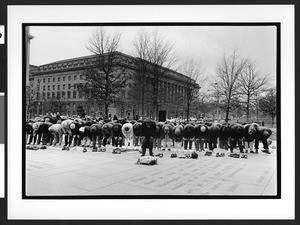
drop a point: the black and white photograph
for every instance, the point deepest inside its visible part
(150, 112)
(159, 110)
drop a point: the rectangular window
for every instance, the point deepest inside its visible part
(53, 94)
(48, 94)
(49, 79)
(53, 87)
(44, 88)
(44, 94)
(58, 95)
(69, 77)
(63, 94)
(48, 87)
(58, 87)
(44, 80)
(69, 86)
(69, 94)
(64, 78)
(64, 86)
(75, 77)
(58, 79)
(53, 79)
(74, 94)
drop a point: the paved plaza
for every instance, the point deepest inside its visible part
(53, 172)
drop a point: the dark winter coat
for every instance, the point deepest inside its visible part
(107, 129)
(116, 130)
(137, 129)
(178, 133)
(236, 131)
(201, 131)
(188, 131)
(96, 130)
(148, 129)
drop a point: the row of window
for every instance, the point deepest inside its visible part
(58, 79)
(59, 95)
(53, 87)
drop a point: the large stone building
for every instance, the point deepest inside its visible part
(53, 88)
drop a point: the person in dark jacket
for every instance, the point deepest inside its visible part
(262, 134)
(250, 131)
(43, 133)
(224, 135)
(117, 136)
(137, 131)
(29, 132)
(85, 136)
(96, 135)
(212, 137)
(106, 130)
(148, 132)
(178, 136)
(75, 134)
(188, 135)
(201, 134)
(236, 135)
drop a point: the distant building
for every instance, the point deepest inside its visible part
(53, 88)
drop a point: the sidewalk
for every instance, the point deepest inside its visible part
(53, 172)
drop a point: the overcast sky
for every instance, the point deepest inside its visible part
(207, 43)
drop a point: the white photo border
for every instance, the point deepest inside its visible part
(19, 208)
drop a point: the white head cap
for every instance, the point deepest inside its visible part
(203, 128)
(72, 126)
(81, 129)
(35, 126)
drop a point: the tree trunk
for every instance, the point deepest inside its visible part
(143, 101)
(248, 108)
(106, 110)
(227, 114)
(248, 112)
(188, 110)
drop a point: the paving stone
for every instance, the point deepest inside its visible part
(122, 189)
(225, 187)
(93, 184)
(46, 185)
(271, 188)
(52, 171)
(71, 191)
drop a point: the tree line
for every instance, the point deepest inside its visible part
(237, 83)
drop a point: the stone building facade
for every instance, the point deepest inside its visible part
(53, 89)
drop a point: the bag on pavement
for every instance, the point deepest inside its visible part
(147, 160)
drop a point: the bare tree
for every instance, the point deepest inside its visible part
(105, 79)
(32, 98)
(138, 90)
(250, 83)
(162, 57)
(155, 57)
(196, 77)
(226, 84)
(267, 103)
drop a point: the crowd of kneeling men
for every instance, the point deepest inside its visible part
(147, 134)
